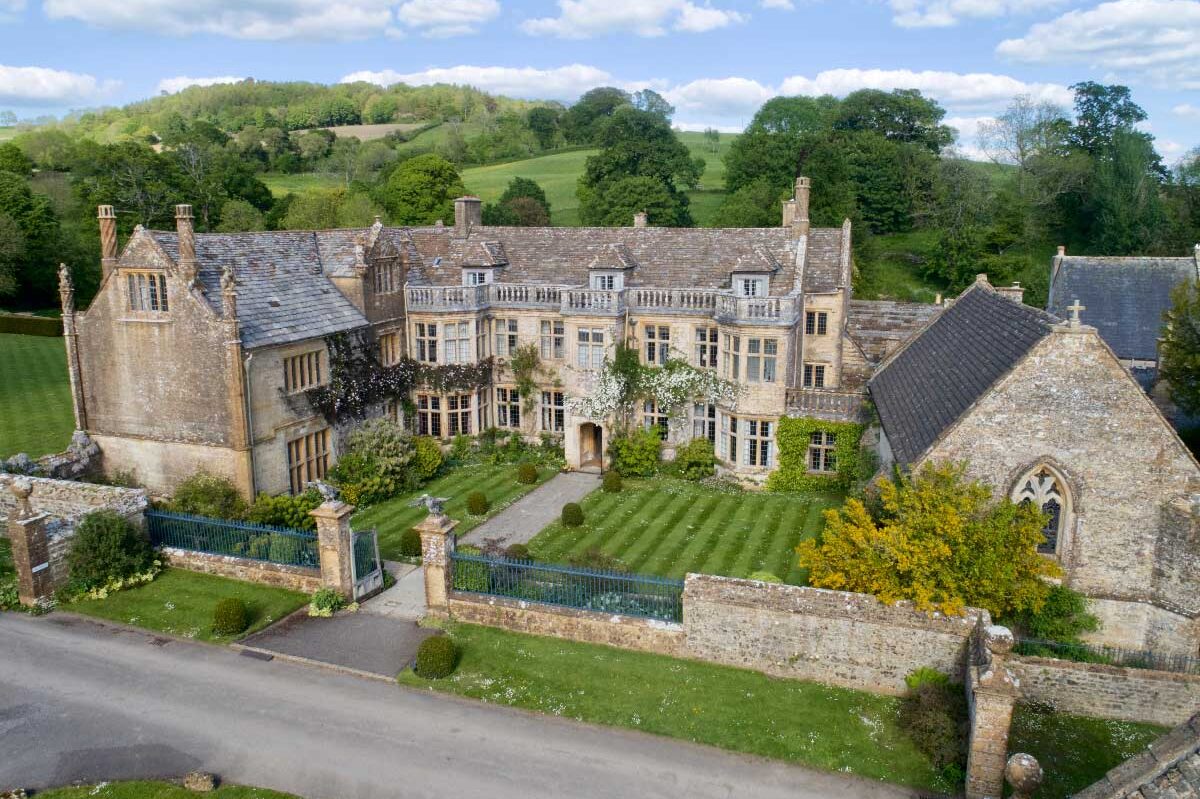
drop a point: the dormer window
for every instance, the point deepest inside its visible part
(751, 287)
(608, 281)
(147, 292)
(476, 277)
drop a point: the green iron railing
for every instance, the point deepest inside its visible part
(585, 589)
(364, 554)
(1109, 655)
(281, 545)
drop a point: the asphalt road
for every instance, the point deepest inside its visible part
(84, 701)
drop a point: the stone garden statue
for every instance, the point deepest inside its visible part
(1024, 774)
(432, 504)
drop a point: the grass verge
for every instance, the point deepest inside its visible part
(1075, 751)
(815, 725)
(497, 482)
(6, 561)
(156, 790)
(669, 527)
(181, 603)
(35, 396)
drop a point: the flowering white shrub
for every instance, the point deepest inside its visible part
(673, 388)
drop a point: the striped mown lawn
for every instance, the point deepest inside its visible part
(670, 527)
(35, 396)
(498, 483)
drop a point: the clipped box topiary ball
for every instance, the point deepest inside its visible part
(477, 503)
(410, 543)
(572, 515)
(230, 617)
(612, 482)
(527, 473)
(436, 658)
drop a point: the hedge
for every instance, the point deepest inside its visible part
(792, 435)
(30, 325)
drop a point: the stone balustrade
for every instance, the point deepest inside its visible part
(721, 305)
(823, 403)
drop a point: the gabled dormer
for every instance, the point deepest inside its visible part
(608, 269)
(482, 262)
(751, 275)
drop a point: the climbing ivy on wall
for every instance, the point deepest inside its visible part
(357, 379)
(793, 435)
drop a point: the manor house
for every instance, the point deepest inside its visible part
(201, 351)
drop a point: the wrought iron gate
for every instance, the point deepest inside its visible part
(366, 567)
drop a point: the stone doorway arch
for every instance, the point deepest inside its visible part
(591, 447)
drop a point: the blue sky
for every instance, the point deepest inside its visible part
(716, 60)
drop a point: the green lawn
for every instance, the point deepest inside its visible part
(156, 790)
(1075, 751)
(300, 183)
(557, 174)
(670, 527)
(35, 396)
(498, 483)
(815, 725)
(181, 603)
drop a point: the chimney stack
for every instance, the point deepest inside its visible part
(187, 241)
(640, 219)
(789, 212)
(1014, 292)
(108, 239)
(1062, 250)
(468, 213)
(800, 223)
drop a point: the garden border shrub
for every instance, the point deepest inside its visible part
(230, 616)
(437, 657)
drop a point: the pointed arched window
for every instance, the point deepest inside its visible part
(1046, 490)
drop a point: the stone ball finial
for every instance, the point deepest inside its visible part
(998, 639)
(21, 488)
(1024, 774)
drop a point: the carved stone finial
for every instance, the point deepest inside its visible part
(66, 289)
(21, 488)
(1024, 774)
(998, 639)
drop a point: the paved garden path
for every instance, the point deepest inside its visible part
(85, 701)
(526, 517)
(405, 600)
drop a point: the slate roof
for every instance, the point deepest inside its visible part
(659, 257)
(1168, 769)
(283, 293)
(932, 380)
(1125, 298)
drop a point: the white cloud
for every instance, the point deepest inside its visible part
(945, 13)
(269, 20)
(181, 82)
(441, 18)
(581, 19)
(1155, 40)
(561, 83)
(9, 9)
(1186, 110)
(41, 86)
(963, 91)
(778, 5)
(967, 143)
(720, 98)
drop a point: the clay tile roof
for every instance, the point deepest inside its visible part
(930, 382)
(1125, 298)
(283, 292)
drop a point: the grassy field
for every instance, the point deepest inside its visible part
(369, 132)
(670, 527)
(498, 483)
(299, 183)
(7, 133)
(181, 603)
(35, 396)
(155, 790)
(556, 174)
(829, 728)
(1075, 751)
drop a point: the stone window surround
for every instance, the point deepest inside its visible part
(820, 321)
(388, 340)
(1073, 507)
(156, 293)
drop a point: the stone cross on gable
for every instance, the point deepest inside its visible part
(1075, 308)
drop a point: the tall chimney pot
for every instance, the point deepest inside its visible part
(800, 223)
(108, 239)
(187, 241)
(468, 213)
(1062, 250)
